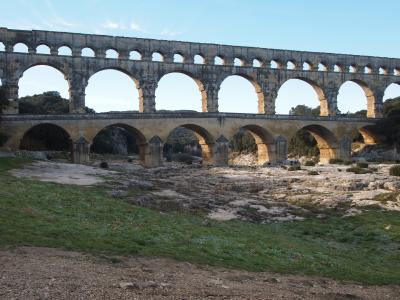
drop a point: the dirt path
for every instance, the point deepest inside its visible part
(43, 273)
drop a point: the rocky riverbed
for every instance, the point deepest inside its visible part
(256, 194)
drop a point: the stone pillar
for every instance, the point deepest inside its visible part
(11, 88)
(147, 95)
(375, 103)
(100, 53)
(329, 103)
(77, 89)
(281, 149)
(269, 94)
(206, 152)
(209, 92)
(221, 151)
(266, 153)
(80, 151)
(153, 152)
(325, 154)
(344, 151)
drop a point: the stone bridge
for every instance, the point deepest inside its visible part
(214, 131)
(146, 61)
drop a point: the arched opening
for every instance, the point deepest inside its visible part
(111, 53)
(42, 90)
(352, 69)
(238, 62)
(157, 56)
(46, 137)
(307, 66)
(313, 141)
(87, 52)
(112, 90)
(20, 48)
(254, 143)
(275, 64)
(65, 50)
(178, 58)
(355, 98)
(119, 140)
(2, 47)
(396, 72)
(392, 92)
(199, 59)
(322, 67)
(219, 61)
(291, 65)
(367, 70)
(257, 63)
(240, 94)
(189, 143)
(180, 91)
(383, 71)
(42, 49)
(364, 142)
(135, 55)
(338, 68)
(301, 96)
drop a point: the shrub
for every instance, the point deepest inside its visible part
(362, 164)
(313, 173)
(183, 158)
(358, 170)
(347, 162)
(395, 170)
(104, 165)
(336, 161)
(294, 168)
(309, 163)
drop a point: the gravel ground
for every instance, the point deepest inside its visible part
(44, 273)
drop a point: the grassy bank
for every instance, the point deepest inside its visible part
(364, 248)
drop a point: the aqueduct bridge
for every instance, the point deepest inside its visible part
(208, 65)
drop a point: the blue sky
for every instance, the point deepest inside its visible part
(357, 27)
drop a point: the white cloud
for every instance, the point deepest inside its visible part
(168, 32)
(136, 27)
(113, 25)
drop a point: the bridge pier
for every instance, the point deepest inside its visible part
(80, 151)
(11, 89)
(152, 152)
(221, 152)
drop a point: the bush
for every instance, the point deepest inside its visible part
(358, 170)
(309, 163)
(362, 164)
(347, 162)
(294, 168)
(183, 158)
(104, 165)
(336, 161)
(395, 170)
(313, 173)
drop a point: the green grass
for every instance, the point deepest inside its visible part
(360, 248)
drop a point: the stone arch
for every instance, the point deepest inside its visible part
(157, 56)
(140, 139)
(205, 138)
(88, 52)
(392, 91)
(112, 53)
(46, 137)
(323, 102)
(54, 66)
(257, 88)
(135, 55)
(326, 141)
(21, 47)
(196, 80)
(264, 141)
(43, 49)
(369, 137)
(122, 71)
(370, 97)
(64, 50)
(199, 59)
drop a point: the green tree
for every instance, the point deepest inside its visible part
(304, 110)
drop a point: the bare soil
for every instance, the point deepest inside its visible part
(43, 273)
